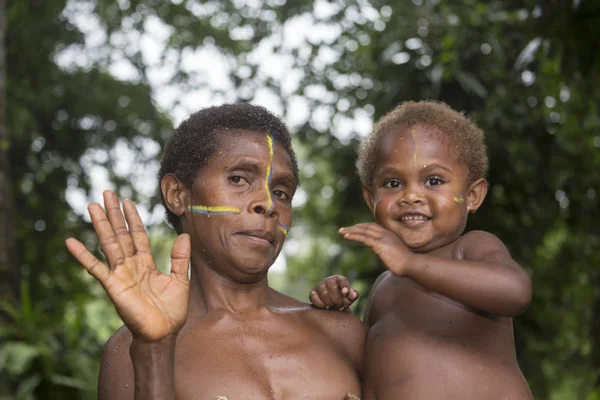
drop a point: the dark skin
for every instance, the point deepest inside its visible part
(440, 319)
(224, 332)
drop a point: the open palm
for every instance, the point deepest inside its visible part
(152, 305)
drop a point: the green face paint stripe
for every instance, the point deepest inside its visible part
(214, 210)
(375, 208)
(269, 171)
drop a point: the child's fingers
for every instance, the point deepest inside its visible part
(352, 295)
(347, 302)
(334, 291)
(343, 283)
(372, 230)
(364, 238)
(316, 300)
(323, 294)
(96, 268)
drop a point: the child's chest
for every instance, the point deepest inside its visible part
(402, 306)
(262, 361)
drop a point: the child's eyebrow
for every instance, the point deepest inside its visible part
(434, 166)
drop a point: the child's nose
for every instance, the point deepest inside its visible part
(412, 197)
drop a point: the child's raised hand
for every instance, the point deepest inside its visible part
(152, 305)
(385, 243)
(333, 292)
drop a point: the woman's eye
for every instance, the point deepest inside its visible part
(434, 181)
(237, 180)
(280, 194)
(392, 184)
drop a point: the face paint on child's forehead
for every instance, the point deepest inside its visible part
(458, 198)
(283, 228)
(414, 138)
(214, 210)
(269, 170)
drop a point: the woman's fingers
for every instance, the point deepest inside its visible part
(106, 235)
(115, 217)
(180, 257)
(96, 268)
(136, 227)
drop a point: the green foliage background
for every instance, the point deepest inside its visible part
(527, 71)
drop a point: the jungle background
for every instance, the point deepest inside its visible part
(91, 89)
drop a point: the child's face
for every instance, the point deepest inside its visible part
(239, 224)
(420, 190)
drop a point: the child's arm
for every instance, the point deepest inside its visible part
(333, 292)
(486, 278)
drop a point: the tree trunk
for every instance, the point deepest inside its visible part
(9, 271)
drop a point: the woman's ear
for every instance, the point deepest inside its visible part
(175, 194)
(476, 194)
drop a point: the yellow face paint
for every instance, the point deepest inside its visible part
(214, 210)
(414, 138)
(375, 208)
(458, 198)
(269, 171)
(283, 228)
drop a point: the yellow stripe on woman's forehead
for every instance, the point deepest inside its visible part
(269, 171)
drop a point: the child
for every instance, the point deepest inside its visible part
(440, 317)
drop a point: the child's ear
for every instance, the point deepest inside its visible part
(476, 194)
(175, 193)
(368, 196)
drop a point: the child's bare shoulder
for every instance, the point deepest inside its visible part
(479, 245)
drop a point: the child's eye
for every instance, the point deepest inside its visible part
(280, 194)
(237, 180)
(434, 181)
(393, 184)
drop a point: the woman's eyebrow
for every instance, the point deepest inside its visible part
(244, 163)
(254, 165)
(286, 178)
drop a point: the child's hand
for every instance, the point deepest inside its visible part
(333, 292)
(385, 243)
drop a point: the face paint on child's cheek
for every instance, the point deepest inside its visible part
(414, 138)
(375, 208)
(283, 228)
(269, 171)
(458, 198)
(214, 210)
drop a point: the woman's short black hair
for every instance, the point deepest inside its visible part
(197, 139)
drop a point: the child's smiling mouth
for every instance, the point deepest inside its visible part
(414, 219)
